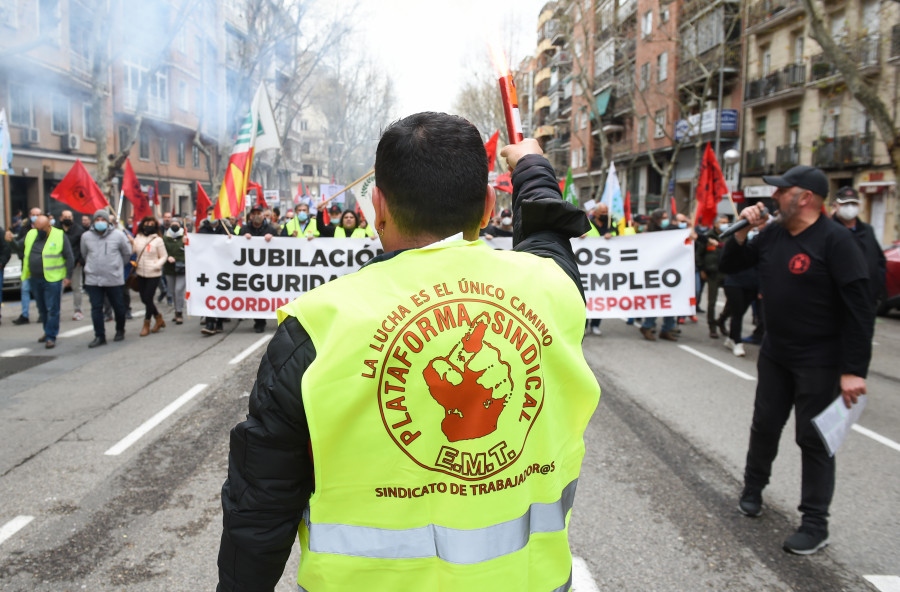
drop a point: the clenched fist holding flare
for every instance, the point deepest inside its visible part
(508, 95)
(472, 383)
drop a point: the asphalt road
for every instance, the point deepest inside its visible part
(655, 509)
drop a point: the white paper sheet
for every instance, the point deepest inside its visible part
(835, 422)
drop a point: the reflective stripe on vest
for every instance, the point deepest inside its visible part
(54, 262)
(450, 544)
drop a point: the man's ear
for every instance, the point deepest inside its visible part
(490, 199)
(381, 210)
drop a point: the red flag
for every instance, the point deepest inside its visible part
(260, 199)
(79, 191)
(504, 183)
(203, 204)
(132, 190)
(562, 186)
(491, 148)
(673, 206)
(628, 208)
(156, 194)
(710, 188)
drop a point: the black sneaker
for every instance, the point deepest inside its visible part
(750, 503)
(805, 542)
(97, 342)
(120, 335)
(21, 321)
(721, 323)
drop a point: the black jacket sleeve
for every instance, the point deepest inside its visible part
(325, 229)
(542, 222)
(857, 326)
(270, 475)
(5, 251)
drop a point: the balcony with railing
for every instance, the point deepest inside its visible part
(693, 70)
(786, 156)
(764, 15)
(785, 83)
(755, 163)
(691, 9)
(865, 55)
(156, 106)
(844, 151)
(604, 79)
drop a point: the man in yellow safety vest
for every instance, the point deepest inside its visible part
(48, 261)
(421, 421)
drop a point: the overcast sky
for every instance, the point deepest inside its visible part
(431, 48)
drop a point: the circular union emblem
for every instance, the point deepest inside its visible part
(460, 387)
(799, 263)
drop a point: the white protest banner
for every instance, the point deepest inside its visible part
(236, 277)
(638, 275)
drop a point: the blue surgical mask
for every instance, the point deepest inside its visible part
(336, 221)
(682, 225)
(100, 226)
(664, 224)
(723, 227)
(302, 216)
(33, 219)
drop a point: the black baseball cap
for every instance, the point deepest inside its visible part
(846, 195)
(505, 213)
(335, 209)
(803, 176)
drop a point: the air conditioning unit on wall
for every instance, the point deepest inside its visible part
(31, 135)
(71, 142)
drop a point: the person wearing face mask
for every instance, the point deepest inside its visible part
(300, 224)
(47, 261)
(846, 212)
(106, 252)
(659, 220)
(17, 244)
(601, 225)
(258, 225)
(173, 270)
(818, 341)
(328, 220)
(74, 231)
(151, 250)
(505, 228)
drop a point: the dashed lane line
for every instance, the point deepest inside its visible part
(243, 355)
(582, 580)
(885, 583)
(154, 421)
(716, 362)
(14, 526)
(15, 353)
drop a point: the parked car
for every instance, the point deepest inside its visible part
(12, 275)
(890, 297)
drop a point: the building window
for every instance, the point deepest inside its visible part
(144, 145)
(305, 148)
(59, 123)
(49, 19)
(647, 24)
(664, 14)
(662, 66)
(308, 170)
(195, 157)
(645, 75)
(303, 125)
(180, 156)
(183, 95)
(158, 93)
(766, 62)
(793, 136)
(124, 133)
(21, 110)
(605, 57)
(642, 130)
(163, 150)
(660, 124)
(90, 128)
(584, 118)
(798, 49)
(761, 133)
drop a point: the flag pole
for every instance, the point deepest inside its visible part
(354, 184)
(121, 199)
(733, 206)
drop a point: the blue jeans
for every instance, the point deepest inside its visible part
(97, 295)
(26, 296)
(47, 296)
(667, 325)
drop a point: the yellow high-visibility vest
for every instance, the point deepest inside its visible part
(447, 433)
(294, 225)
(358, 232)
(52, 255)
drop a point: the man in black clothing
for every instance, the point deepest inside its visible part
(818, 342)
(209, 225)
(847, 213)
(258, 225)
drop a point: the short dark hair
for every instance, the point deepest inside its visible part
(148, 220)
(352, 213)
(433, 171)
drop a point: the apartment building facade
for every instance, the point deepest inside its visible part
(799, 110)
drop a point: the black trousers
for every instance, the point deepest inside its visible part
(739, 300)
(808, 391)
(98, 295)
(147, 290)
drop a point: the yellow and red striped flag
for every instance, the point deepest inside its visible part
(257, 133)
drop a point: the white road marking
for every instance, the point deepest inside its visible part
(154, 421)
(14, 526)
(14, 353)
(582, 580)
(878, 438)
(716, 362)
(241, 356)
(78, 331)
(885, 583)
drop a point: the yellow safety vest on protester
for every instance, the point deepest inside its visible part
(447, 433)
(294, 224)
(52, 255)
(339, 232)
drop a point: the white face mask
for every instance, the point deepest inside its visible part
(506, 221)
(848, 212)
